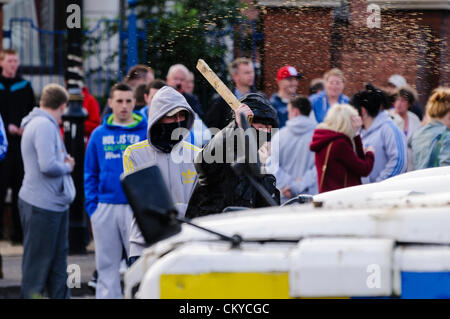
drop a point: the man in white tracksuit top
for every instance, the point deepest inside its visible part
(168, 111)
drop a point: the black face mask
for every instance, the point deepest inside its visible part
(161, 135)
(262, 137)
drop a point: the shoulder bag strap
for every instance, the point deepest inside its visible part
(324, 167)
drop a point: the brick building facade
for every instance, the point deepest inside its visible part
(317, 35)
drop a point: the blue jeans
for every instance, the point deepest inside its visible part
(45, 249)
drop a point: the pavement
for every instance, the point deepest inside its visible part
(12, 271)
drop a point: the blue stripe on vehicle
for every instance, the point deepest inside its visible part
(400, 159)
(18, 85)
(425, 285)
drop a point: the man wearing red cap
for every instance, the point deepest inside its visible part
(287, 88)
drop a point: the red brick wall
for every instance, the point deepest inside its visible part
(444, 68)
(298, 37)
(411, 43)
(372, 55)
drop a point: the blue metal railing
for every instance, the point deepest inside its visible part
(47, 41)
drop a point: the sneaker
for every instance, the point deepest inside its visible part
(92, 284)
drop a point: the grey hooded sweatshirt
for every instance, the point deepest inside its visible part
(47, 182)
(291, 161)
(177, 167)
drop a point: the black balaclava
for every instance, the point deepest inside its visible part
(263, 112)
(161, 134)
(262, 137)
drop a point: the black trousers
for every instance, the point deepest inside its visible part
(11, 176)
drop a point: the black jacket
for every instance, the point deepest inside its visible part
(218, 185)
(195, 104)
(219, 113)
(16, 101)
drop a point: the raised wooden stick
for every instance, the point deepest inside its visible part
(219, 86)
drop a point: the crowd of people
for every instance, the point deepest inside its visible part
(306, 145)
(340, 141)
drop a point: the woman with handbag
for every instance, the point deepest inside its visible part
(340, 159)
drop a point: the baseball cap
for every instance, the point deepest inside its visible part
(397, 80)
(176, 110)
(286, 72)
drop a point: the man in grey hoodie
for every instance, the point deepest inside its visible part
(291, 161)
(44, 198)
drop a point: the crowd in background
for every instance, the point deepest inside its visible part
(326, 141)
(340, 141)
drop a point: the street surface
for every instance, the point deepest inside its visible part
(12, 271)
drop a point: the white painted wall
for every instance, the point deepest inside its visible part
(24, 39)
(93, 12)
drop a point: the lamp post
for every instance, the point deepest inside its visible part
(73, 119)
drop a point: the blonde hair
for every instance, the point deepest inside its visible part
(339, 119)
(334, 72)
(439, 103)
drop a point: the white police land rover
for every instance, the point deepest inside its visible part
(387, 239)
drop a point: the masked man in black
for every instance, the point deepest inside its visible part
(218, 185)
